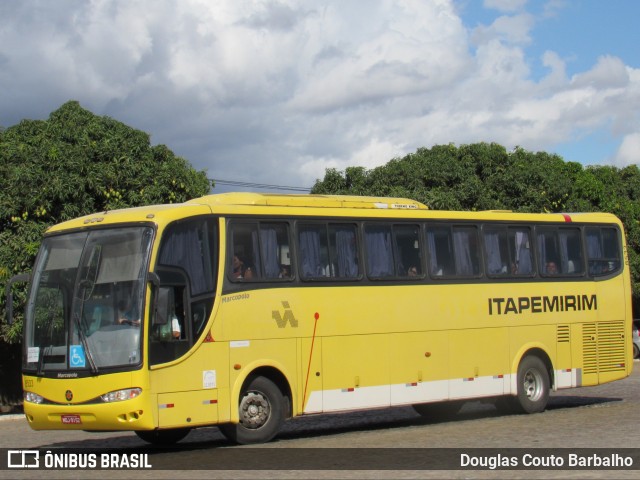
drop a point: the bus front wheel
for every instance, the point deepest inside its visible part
(261, 412)
(533, 386)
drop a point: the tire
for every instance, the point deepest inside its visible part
(438, 410)
(261, 410)
(636, 351)
(163, 437)
(533, 386)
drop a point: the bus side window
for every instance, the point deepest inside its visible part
(185, 266)
(496, 251)
(260, 251)
(379, 251)
(521, 256)
(343, 250)
(465, 243)
(560, 251)
(327, 251)
(603, 250)
(440, 251)
(408, 250)
(313, 246)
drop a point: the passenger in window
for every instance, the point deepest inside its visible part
(413, 271)
(241, 271)
(551, 268)
(284, 272)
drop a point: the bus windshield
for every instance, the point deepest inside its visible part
(86, 305)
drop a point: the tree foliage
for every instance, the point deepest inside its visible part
(485, 176)
(72, 164)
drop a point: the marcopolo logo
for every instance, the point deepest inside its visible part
(287, 317)
(23, 459)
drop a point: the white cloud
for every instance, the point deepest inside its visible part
(628, 153)
(277, 91)
(514, 29)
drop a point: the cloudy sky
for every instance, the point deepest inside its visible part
(276, 91)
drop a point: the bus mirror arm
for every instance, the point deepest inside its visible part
(23, 277)
(160, 300)
(161, 297)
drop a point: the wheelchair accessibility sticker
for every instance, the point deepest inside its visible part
(76, 356)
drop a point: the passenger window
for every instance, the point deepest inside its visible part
(453, 250)
(379, 251)
(328, 251)
(186, 261)
(465, 244)
(440, 248)
(507, 251)
(393, 251)
(560, 251)
(259, 251)
(408, 252)
(603, 250)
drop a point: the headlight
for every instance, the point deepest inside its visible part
(32, 397)
(120, 395)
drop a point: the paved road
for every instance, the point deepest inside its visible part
(606, 416)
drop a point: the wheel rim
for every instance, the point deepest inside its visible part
(533, 385)
(255, 410)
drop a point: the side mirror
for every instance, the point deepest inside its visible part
(23, 277)
(163, 301)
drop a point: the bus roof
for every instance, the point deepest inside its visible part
(335, 205)
(317, 201)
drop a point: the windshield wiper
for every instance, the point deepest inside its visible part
(85, 344)
(43, 353)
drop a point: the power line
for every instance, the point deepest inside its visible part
(236, 183)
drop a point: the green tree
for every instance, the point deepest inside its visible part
(72, 164)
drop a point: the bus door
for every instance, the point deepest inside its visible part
(186, 366)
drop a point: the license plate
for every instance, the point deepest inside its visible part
(71, 419)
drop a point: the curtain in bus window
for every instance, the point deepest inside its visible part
(309, 243)
(379, 253)
(255, 249)
(183, 248)
(570, 251)
(462, 249)
(542, 253)
(595, 251)
(346, 252)
(495, 264)
(564, 253)
(269, 239)
(594, 247)
(523, 254)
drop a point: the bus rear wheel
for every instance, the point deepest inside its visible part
(261, 412)
(163, 437)
(533, 386)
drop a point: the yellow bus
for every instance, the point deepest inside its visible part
(242, 310)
